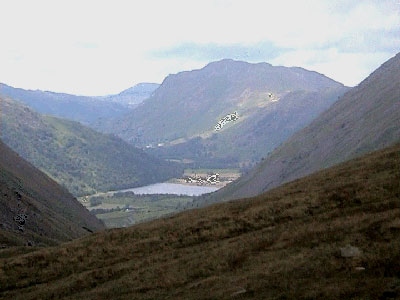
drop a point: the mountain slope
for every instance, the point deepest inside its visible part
(134, 95)
(366, 118)
(190, 103)
(78, 157)
(244, 144)
(289, 243)
(34, 209)
(181, 115)
(86, 110)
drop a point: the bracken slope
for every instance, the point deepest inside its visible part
(34, 209)
(332, 235)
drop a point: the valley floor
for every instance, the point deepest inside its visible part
(122, 209)
(126, 209)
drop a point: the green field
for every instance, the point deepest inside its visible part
(126, 209)
(207, 171)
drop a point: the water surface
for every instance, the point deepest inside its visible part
(171, 188)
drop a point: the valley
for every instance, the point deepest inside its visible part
(127, 207)
(364, 119)
(200, 150)
(289, 243)
(269, 104)
(198, 177)
(81, 159)
(123, 209)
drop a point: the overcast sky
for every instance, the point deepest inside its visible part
(102, 47)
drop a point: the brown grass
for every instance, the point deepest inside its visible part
(284, 244)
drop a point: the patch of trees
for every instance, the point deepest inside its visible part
(145, 196)
(108, 210)
(94, 201)
(97, 211)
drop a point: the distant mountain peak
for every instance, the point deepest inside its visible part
(189, 104)
(364, 119)
(143, 87)
(232, 63)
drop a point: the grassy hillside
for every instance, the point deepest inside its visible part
(189, 104)
(81, 159)
(246, 143)
(365, 119)
(35, 210)
(332, 235)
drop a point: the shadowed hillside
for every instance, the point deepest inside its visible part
(34, 209)
(365, 119)
(76, 156)
(332, 235)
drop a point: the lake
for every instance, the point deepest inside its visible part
(171, 188)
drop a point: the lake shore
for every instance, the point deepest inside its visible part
(171, 188)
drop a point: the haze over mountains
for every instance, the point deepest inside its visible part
(134, 95)
(87, 110)
(365, 119)
(81, 159)
(333, 234)
(271, 102)
(34, 209)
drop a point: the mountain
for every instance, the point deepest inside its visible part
(365, 119)
(81, 159)
(34, 209)
(187, 106)
(86, 110)
(332, 235)
(249, 141)
(133, 96)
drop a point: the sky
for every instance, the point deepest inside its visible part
(103, 47)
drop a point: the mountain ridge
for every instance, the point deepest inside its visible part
(189, 104)
(83, 160)
(88, 110)
(134, 95)
(366, 118)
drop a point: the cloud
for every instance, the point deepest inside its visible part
(369, 41)
(101, 47)
(262, 51)
(349, 68)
